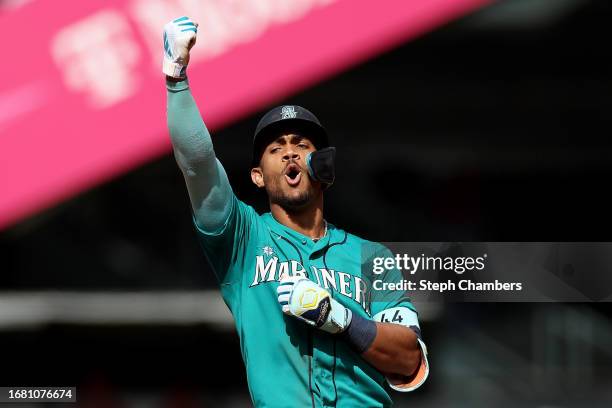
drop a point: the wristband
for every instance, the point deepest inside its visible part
(176, 85)
(360, 333)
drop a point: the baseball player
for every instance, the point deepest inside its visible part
(312, 331)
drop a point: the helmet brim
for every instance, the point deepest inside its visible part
(308, 129)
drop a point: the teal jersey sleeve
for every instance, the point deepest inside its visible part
(394, 306)
(382, 299)
(209, 190)
(226, 247)
(221, 220)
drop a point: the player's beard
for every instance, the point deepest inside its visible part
(291, 202)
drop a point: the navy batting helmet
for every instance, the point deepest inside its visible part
(287, 118)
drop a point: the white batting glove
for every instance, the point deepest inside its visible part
(179, 37)
(309, 302)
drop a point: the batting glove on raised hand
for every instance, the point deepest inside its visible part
(179, 37)
(304, 299)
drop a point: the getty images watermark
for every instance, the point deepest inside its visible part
(490, 271)
(411, 265)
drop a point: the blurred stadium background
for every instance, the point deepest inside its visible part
(454, 121)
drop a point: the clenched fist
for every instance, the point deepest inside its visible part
(179, 36)
(309, 302)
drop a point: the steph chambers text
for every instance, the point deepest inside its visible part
(462, 285)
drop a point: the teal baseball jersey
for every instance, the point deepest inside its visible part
(288, 363)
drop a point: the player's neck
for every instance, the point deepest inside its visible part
(307, 221)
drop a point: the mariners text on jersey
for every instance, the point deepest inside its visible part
(271, 269)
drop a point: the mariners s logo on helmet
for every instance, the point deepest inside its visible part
(288, 112)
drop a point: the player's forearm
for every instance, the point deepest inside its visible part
(395, 350)
(190, 139)
(207, 183)
(391, 348)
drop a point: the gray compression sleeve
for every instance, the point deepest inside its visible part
(209, 189)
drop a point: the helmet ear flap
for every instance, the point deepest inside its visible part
(321, 166)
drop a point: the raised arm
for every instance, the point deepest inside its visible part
(209, 189)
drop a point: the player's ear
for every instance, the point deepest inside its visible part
(257, 177)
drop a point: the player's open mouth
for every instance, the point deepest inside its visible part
(293, 175)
